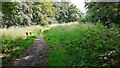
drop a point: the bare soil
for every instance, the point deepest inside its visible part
(35, 55)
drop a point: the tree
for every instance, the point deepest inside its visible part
(16, 14)
(105, 12)
(24, 13)
(65, 12)
(41, 11)
(7, 10)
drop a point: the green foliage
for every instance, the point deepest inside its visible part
(41, 12)
(37, 13)
(65, 12)
(8, 6)
(16, 14)
(23, 14)
(105, 12)
(83, 45)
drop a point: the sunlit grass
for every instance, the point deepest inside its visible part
(14, 33)
(15, 41)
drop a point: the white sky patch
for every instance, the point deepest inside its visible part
(79, 4)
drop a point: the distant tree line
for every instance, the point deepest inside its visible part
(37, 13)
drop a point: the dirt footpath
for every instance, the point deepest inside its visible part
(35, 55)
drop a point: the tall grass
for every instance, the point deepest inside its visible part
(15, 32)
(15, 41)
(83, 45)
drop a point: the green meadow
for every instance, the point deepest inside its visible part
(83, 45)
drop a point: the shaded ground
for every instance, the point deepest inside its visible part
(33, 56)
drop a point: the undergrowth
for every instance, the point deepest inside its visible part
(83, 45)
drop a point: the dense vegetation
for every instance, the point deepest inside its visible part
(104, 12)
(37, 13)
(92, 42)
(83, 45)
(65, 12)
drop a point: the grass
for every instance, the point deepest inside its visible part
(83, 45)
(15, 41)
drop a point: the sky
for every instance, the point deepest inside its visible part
(79, 4)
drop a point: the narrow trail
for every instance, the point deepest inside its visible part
(35, 55)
